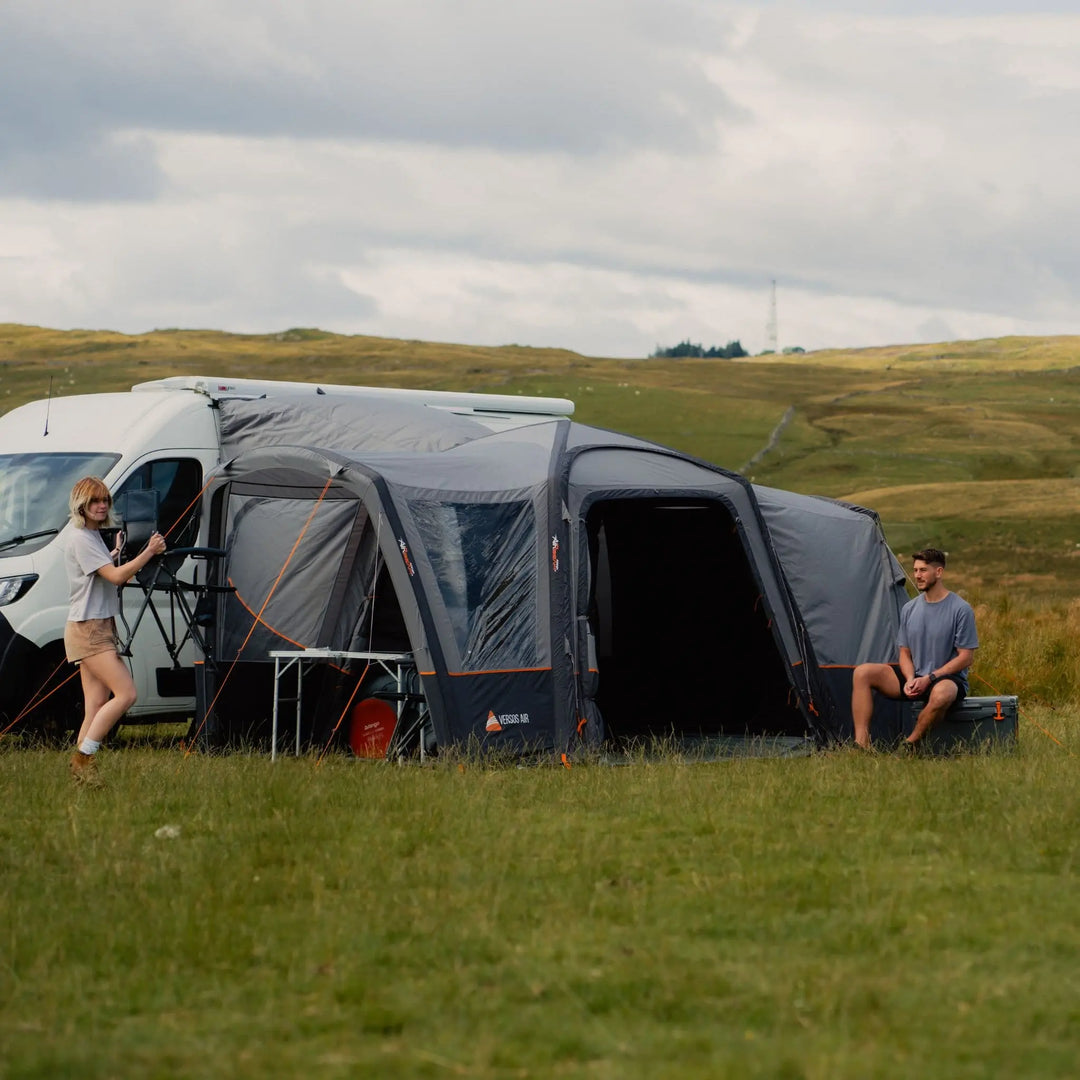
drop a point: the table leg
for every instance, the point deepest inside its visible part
(277, 694)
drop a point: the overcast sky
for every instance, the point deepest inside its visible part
(601, 175)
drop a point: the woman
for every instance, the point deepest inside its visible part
(90, 632)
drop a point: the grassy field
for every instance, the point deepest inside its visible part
(827, 917)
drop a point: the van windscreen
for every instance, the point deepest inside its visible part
(34, 490)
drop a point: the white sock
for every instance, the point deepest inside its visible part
(89, 746)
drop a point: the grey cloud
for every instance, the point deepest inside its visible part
(259, 280)
(554, 75)
(919, 247)
(966, 86)
(943, 184)
(300, 298)
(83, 168)
(914, 263)
(949, 188)
(908, 8)
(935, 329)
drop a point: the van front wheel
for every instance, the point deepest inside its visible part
(57, 712)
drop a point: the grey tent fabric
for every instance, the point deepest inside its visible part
(845, 579)
(301, 600)
(356, 424)
(557, 585)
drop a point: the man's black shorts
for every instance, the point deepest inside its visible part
(961, 690)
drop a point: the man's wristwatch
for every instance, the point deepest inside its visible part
(933, 678)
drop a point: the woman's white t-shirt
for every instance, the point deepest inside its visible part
(90, 596)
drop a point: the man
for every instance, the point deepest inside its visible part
(937, 641)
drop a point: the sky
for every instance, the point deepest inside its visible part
(605, 176)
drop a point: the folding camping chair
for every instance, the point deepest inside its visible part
(191, 603)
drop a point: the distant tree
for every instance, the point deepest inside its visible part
(687, 348)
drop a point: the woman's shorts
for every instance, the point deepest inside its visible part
(88, 638)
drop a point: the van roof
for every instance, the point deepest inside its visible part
(104, 422)
(463, 402)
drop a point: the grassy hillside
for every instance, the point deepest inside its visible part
(973, 445)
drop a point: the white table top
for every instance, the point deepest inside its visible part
(337, 654)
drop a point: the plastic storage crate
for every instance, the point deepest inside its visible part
(977, 723)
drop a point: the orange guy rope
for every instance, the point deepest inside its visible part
(1027, 719)
(37, 698)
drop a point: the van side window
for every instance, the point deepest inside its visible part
(178, 482)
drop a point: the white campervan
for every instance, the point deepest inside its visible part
(160, 438)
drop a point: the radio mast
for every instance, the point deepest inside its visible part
(771, 329)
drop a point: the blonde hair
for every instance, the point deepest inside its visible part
(85, 491)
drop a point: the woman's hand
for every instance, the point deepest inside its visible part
(119, 546)
(121, 575)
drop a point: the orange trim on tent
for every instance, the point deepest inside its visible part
(259, 619)
(277, 633)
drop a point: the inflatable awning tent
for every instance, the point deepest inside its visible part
(555, 584)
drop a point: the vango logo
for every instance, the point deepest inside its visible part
(497, 723)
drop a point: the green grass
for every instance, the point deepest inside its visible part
(836, 916)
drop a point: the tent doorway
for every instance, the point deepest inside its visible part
(305, 580)
(684, 649)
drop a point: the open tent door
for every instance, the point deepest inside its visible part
(683, 642)
(303, 569)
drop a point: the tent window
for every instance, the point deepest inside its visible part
(485, 563)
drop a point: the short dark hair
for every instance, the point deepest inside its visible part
(930, 555)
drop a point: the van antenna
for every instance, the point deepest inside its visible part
(48, 406)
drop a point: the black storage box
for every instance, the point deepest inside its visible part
(977, 723)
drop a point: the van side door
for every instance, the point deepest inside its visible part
(162, 686)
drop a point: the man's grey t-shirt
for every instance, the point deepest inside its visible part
(89, 596)
(936, 632)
